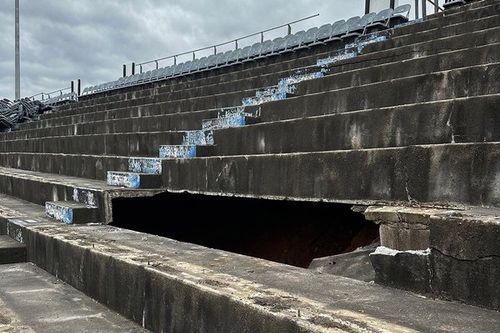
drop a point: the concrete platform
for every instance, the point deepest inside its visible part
(211, 290)
(32, 300)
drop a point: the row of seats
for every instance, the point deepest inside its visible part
(71, 96)
(340, 30)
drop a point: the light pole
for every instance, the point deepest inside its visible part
(18, 60)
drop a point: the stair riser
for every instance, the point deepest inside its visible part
(469, 57)
(467, 82)
(85, 166)
(39, 191)
(133, 180)
(472, 120)
(145, 144)
(425, 174)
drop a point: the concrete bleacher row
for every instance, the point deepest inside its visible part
(340, 30)
(406, 115)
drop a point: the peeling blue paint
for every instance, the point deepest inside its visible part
(236, 120)
(145, 165)
(172, 151)
(348, 53)
(362, 41)
(198, 137)
(124, 179)
(59, 213)
(85, 196)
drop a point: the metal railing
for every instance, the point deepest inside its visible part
(61, 91)
(214, 47)
(45, 95)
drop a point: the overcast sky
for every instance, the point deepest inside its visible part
(62, 40)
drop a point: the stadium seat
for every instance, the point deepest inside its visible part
(400, 15)
(380, 21)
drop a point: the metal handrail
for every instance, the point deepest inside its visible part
(215, 46)
(43, 94)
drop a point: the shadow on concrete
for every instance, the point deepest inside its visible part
(288, 232)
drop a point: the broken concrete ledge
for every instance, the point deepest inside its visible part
(448, 253)
(166, 285)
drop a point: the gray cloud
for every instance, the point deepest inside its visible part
(62, 40)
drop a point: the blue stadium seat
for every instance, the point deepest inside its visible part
(400, 15)
(279, 45)
(256, 50)
(295, 40)
(380, 21)
(267, 47)
(309, 38)
(245, 53)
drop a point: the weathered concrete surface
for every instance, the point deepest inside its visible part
(31, 300)
(452, 173)
(448, 253)
(38, 188)
(181, 287)
(11, 251)
(355, 265)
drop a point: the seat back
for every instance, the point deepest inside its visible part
(310, 36)
(267, 47)
(402, 11)
(245, 53)
(255, 50)
(324, 32)
(295, 40)
(279, 44)
(383, 16)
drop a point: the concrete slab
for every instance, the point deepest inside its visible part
(31, 300)
(164, 283)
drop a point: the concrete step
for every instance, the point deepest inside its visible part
(443, 61)
(421, 64)
(233, 121)
(110, 97)
(39, 188)
(355, 265)
(32, 300)
(396, 66)
(76, 165)
(447, 173)
(468, 119)
(11, 251)
(469, 81)
(465, 119)
(151, 166)
(181, 152)
(246, 79)
(133, 180)
(171, 272)
(478, 38)
(438, 251)
(71, 212)
(121, 144)
(457, 83)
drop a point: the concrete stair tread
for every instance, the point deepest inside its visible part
(71, 212)
(136, 180)
(32, 300)
(237, 277)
